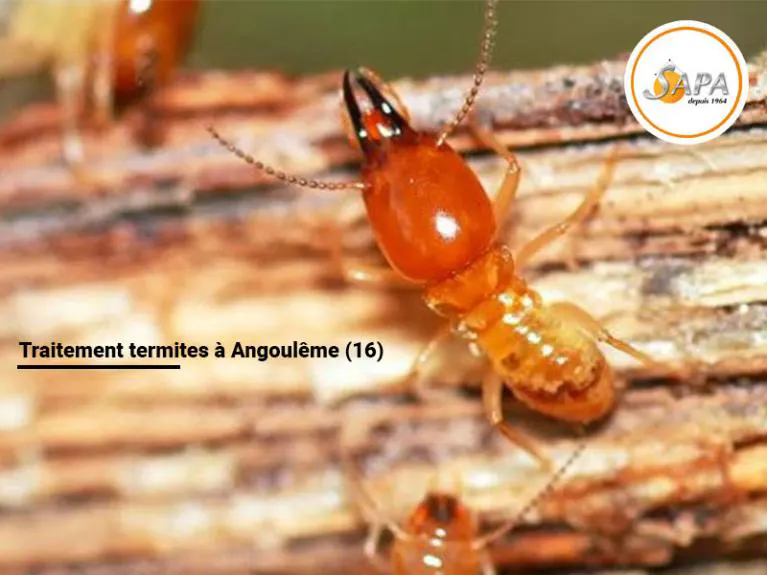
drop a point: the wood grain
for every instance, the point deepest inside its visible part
(231, 465)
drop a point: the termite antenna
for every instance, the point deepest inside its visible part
(485, 55)
(357, 482)
(485, 540)
(279, 174)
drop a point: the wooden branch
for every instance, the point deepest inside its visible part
(229, 465)
(565, 104)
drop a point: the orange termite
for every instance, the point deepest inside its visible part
(101, 53)
(440, 537)
(437, 228)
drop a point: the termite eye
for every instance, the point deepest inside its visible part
(381, 122)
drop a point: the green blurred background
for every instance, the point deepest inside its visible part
(422, 37)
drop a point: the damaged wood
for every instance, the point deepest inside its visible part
(655, 454)
(230, 465)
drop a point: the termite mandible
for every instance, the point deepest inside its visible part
(437, 228)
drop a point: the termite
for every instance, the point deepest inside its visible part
(151, 39)
(440, 536)
(438, 229)
(107, 52)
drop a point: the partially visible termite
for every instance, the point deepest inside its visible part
(440, 536)
(100, 52)
(438, 230)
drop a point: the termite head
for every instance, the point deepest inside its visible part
(151, 38)
(443, 536)
(429, 212)
(443, 517)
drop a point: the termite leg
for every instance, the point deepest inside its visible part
(492, 397)
(414, 380)
(486, 564)
(366, 275)
(70, 84)
(586, 208)
(352, 430)
(102, 90)
(508, 190)
(359, 273)
(70, 88)
(371, 547)
(571, 312)
(729, 494)
(101, 87)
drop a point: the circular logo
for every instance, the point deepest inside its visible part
(686, 82)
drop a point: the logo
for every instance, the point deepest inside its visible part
(686, 82)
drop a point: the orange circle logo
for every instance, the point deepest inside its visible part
(686, 82)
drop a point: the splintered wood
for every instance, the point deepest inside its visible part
(230, 465)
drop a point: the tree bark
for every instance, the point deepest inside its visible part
(231, 464)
